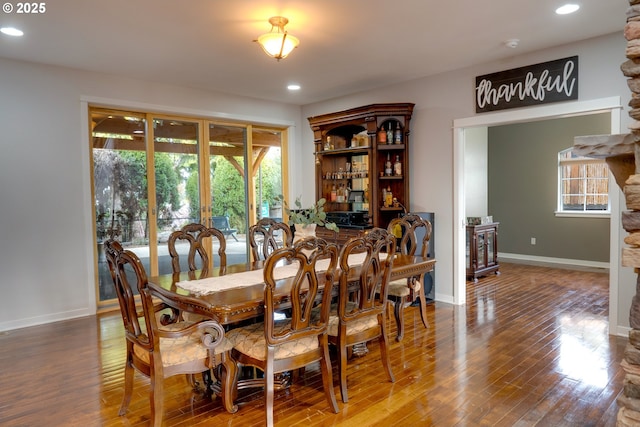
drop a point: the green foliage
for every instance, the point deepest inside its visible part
(120, 179)
(270, 179)
(167, 180)
(193, 197)
(313, 215)
(228, 193)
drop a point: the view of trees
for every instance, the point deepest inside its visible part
(121, 191)
(120, 181)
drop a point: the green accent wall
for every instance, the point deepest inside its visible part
(523, 186)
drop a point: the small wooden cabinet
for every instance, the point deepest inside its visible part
(482, 250)
(352, 153)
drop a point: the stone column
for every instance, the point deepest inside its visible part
(626, 169)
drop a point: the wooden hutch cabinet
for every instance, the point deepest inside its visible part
(482, 250)
(362, 153)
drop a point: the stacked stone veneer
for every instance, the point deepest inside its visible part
(622, 153)
(629, 400)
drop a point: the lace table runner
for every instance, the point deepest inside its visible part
(254, 277)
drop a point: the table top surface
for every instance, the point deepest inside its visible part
(233, 305)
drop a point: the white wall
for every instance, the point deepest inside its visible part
(46, 251)
(476, 166)
(45, 205)
(441, 99)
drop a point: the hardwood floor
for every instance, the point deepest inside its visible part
(530, 348)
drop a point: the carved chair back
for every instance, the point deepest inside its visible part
(267, 235)
(371, 277)
(128, 274)
(408, 226)
(303, 289)
(200, 238)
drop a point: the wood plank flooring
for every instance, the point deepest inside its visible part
(530, 348)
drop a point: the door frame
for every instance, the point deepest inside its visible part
(560, 110)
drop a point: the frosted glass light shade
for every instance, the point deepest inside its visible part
(278, 45)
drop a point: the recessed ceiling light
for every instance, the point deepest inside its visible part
(567, 8)
(10, 31)
(512, 43)
(293, 87)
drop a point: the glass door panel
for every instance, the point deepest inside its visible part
(267, 172)
(490, 249)
(120, 188)
(482, 254)
(177, 182)
(228, 187)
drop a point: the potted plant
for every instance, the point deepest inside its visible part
(305, 220)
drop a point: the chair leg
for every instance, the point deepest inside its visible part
(128, 388)
(229, 379)
(342, 368)
(268, 387)
(384, 351)
(398, 311)
(327, 377)
(156, 399)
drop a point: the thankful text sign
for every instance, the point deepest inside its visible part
(543, 83)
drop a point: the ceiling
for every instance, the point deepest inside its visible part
(346, 46)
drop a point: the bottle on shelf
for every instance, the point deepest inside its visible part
(387, 166)
(327, 144)
(397, 167)
(382, 135)
(340, 194)
(388, 200)
(390, 135)
(397, 135)
(334, 193)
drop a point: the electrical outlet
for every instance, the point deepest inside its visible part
(533, 240)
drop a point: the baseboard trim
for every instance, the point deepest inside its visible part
(553, 262)
(444, 298)
(623, 331)
(41, 320)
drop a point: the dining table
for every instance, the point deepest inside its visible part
(235, 293)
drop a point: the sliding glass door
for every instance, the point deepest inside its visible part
(152, 174)
(176, 161)
(119, 187)
(228, 196)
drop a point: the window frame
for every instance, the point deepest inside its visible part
(581, 160)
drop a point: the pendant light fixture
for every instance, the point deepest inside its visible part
(278, 43)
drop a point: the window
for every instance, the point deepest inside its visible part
(583, 184)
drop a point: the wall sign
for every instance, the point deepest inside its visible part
(542, 83)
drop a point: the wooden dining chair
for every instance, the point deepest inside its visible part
(160, 351)
(403, 291)
(361, 312)
(276, 346)
(199, 238)
(266, 236)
